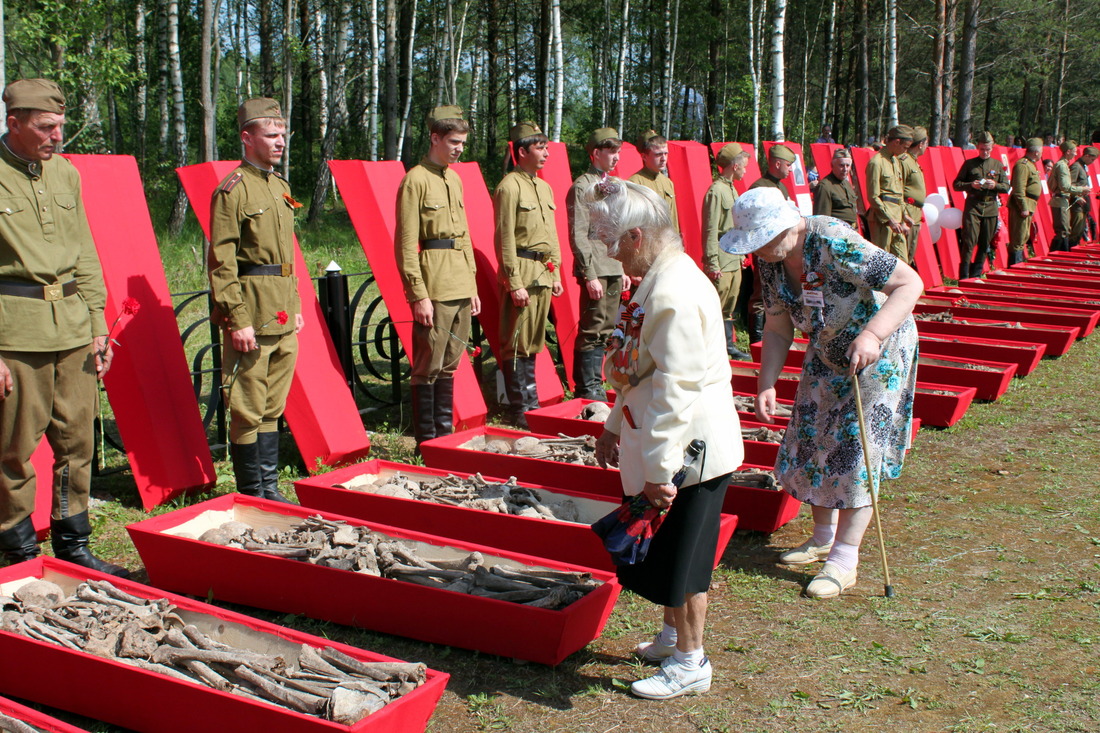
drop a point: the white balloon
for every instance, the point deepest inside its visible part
(951, 218)
(936, 200)
(931, 214)
(935, 232)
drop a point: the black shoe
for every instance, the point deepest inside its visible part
(69, 538)
(515, 389)
(423, 413)
(756, 328)
(737, 355)
(20, 542)
(246, 468)
(588, 374)
(444, 406)
(268, 444)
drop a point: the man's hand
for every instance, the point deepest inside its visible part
(660, 495)
(6, 382)
(557, 290)
(627, 281)
(475, 305)
(977, 185)
(104, 354)
(607, 449)
(423, 312)
(714, 275)
(520, 298)
(299, 323)
(244, 340)
(595, 288)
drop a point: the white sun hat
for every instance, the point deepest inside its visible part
(759, 216)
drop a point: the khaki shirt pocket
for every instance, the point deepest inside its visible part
(66, 201)
(254, 209)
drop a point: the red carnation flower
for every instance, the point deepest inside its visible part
(475, 352)
(130, 306)
(550, 266)
(281, 318)
(626, 296)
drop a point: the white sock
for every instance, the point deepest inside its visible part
(667, 636)
(823, 534)
(691, 660)
(845, 557)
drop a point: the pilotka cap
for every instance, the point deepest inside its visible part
(41, 94)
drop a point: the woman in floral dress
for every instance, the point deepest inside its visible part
(854, 303)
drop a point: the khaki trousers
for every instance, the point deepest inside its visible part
(883, 237)
(729, 287)
(523, 330)
(54, 394)
(257, 384)
(598, 317)
(438, 350)
(1019, 230)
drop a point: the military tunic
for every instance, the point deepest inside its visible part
(1063, 192)
(431, 205)
(717, 220)
(252, 224)
(661, 185)
(1026, 190)
(913, 180)
(886, 198)
(838, 199)
(590, 262)
(46, 343)
(980, 212)
(524, 206)
(769, 181)
(1079, 210)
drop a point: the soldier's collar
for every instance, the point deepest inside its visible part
(431, 165)
(30, 167)
(646, 172)
(265, 171)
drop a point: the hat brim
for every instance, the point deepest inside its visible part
(746, 241)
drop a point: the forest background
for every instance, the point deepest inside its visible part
(161, 79)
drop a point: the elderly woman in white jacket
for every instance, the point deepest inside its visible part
(667, 362)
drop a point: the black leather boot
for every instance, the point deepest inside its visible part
(444, 406)
(1015, 257)
(268, 444)
(964, 270)
(246, 467)
(19, 543)
(423, 413)
(977, 267)
(69, 538)
(515, 389)
(588, 375)
(531, 387)
(756, 327)
(731, 344)
(1058, 244)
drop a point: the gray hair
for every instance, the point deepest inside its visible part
(616, 206)
(1034, 148)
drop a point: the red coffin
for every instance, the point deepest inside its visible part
(1026, 356)
(31, 716)
(568, 542)
(139, 700)
(757, 509)
(1057, 339)
(965, 309)
(355, 599)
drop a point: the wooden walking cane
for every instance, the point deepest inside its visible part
(888, 590)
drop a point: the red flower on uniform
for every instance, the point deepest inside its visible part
(550, 266)
(626, 296)
(281, 318)
(130, 306)
(475, 352)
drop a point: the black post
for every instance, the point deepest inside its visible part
(334, 304)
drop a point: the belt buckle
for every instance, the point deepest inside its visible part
(287, 269)
(53, 292)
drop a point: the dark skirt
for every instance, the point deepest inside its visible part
(681, 556)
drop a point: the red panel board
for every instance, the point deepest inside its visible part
(823, 156)
(149, 384)
(630, 162)
(479, 215)
(936, 180)
(320, 409)
(370, 193)
(796, 181)
(689, 169)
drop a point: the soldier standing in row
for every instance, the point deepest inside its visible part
(527, 249)
(912, 178)
(436, 260)
(982, 178)
(722, 268)
(1026, 190)
(835, 195)
(886, 194)
(255, 293)
(1079, 211)
(53, 337)
(601, 278)
(1063, 193)
(654, 151)
(780, 160)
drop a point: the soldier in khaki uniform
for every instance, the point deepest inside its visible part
(721, 267)
(886, 194)
(527, 249)
(835, 195)
(1063, 194)
(780, 160)
(1027, 187)
(915, 191)
(436, 260)
(1079, 211)
(982, 178)
(601, 278)
(654, 151)
(252, 282)
(53, 337)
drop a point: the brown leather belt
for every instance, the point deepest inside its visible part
(437, 244)
(57, 291)
(278, 270)
(891, 199)
(528, 254)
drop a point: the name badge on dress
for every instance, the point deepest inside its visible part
(813, 298)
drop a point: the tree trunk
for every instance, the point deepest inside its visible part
(755, 74)
(830, 51)
(778, 90)
(620, 73)
(205, 81)
(949, 67)
(966, 72)
(175, 70)
(372, 95)
(290, 11)
(474, 106)
(492, 51)
(267, 49)
(673, 32)
(165, 119)
(410, 52)
(338, 108)
(1059, 87)
(389, 118)
(559, 69)
(937, 126)
(891, 63)
(863, 75)
(4, 63)
(141, 85)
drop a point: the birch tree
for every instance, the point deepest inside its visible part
(141, 87)
(338, 108)
(559, 69)
(1061, 74)
(290, 12)
(938, 40)
(620, 73)
(967, 60)
(206, 81)
(755, 74)
(175, 69)
(891, 63)
(830, 52)
(778, 91)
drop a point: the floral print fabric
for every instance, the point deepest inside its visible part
(821, 459)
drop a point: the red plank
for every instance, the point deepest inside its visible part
(798, 185)
(690, 171)
(320, 409)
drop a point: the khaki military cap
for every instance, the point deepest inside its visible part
(598, 136)
(644, 138)
(781, 152)
(1093, 151)
(900, 132)
(1067, 145)
(523, 130)
(919, 135)
(842, 153)
(257, 108)
(726, 155)
(40, 94)
(446, 112)
(1035, 142)
(985, 136)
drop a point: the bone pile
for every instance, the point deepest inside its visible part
(755, 479)
(580, 450)
(762, 434)
(473, 492)
(102, 620)
(745, 403)
(337, 544)
(595, 411)
(11, 725)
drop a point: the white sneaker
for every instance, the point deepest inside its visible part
(806, 553)
(674, 680)
(654, 651)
